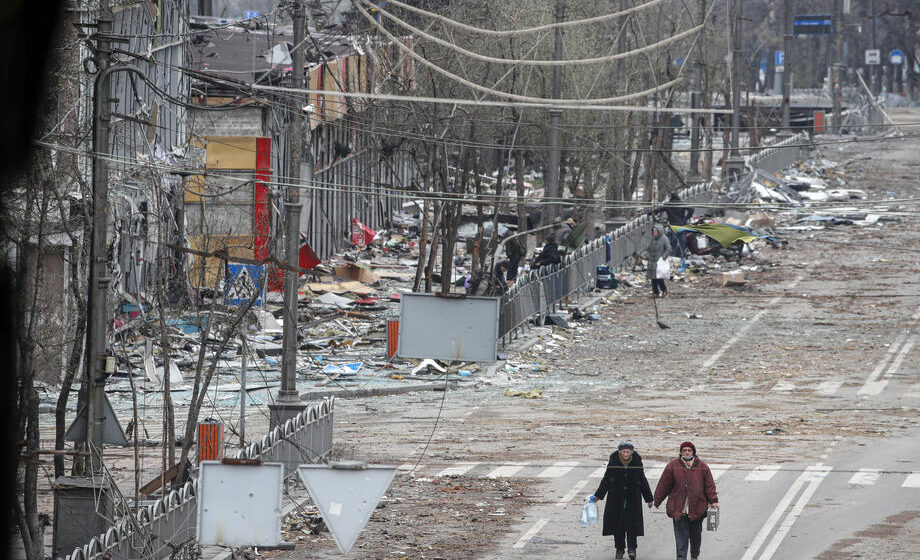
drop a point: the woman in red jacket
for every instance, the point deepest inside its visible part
(688, 485)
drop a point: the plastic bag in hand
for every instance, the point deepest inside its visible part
(589, 513)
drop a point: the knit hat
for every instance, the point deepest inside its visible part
(625, 445)
(688, 444)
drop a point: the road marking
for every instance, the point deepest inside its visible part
(763, 473)
(571, 493)
(459, 470)
(872, 385)
(530, 533)
(865, 477)
(784, 386)
(896, 364)
(770, 550)
(507, 470)
(718, 470)
(741, 332)
(767, 528)
(409, 467)
(912, 481)
(559, 468)
(599, 473)
(828, 388)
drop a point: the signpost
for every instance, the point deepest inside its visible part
(779, 60)
(896, 57)
(873, 57)
(244, 282)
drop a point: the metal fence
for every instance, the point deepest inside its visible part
(536, 293)
(167, 528)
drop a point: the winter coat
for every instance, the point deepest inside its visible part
(657, 247)
(677, 481)
(677, 215)
(549, 255)
(625, 490)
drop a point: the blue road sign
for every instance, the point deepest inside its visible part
(779, 58)
(243, 283)
(896, 57)
(250, 14)
(813, 25)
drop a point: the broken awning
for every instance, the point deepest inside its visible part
(726, 234)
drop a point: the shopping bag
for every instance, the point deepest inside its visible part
(663, 269)
(589, 514)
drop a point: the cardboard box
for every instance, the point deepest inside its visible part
(358, 273)
(733, 278)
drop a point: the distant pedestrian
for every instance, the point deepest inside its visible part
(688, 485)
(515, 251)
(625, 487)
(658, 247)
(549, 255)
(678, 215)
(497, 283)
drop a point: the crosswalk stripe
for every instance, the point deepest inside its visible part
(784, 386)
(912, 481)
(763, 473)
(718, 470)
(654, 470)
(572, 493)
(530, 533)
(507, 470)
(896, 364)
(599, 473)
(828, 388)
(559, 468)
(459, 470)
(865, 477)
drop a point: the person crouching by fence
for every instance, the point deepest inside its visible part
(625, 486)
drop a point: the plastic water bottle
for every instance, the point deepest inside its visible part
(589, 512)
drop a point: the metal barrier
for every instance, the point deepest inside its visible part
(536, 293)
(169, 525)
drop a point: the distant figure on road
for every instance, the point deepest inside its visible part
(625, 487)
(678, 215)
(658, 247)
(514, 250)
(688, 485)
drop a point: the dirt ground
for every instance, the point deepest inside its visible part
(621, 377)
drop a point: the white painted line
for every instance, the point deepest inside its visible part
(865, 477)
(871, 386)
(771, 521)
(572, 493)
(718, 470)
(405, 467)
(763, 473)
(816, 478)
(530, 533)
(599, 473)
(506, 470)
(459, 470)
(731, 342)
(784, 386)
(828, 388)
(559, 468)
(897, 361)
(912, 481)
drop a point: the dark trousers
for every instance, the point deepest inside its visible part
(686, 533)
(623, 538)
(658, 286)
(513, 268)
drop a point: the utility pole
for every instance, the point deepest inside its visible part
(873, 71)
(735, 163)
(552, 189)
(787, 62)
(98, 277)
(695, 102)
(836, 84)
(288, 403)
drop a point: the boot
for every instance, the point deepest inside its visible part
(619, 553)
(632, 555)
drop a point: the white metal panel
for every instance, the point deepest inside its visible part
(449, 328)
(239, 505)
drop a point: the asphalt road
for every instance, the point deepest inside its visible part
(801, 389)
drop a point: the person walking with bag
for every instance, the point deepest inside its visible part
(688, 485)
(659, 247)
(625, 487)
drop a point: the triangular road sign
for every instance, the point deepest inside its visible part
(346, 493)
(111, 428)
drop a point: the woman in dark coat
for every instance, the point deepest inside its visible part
(625, 487)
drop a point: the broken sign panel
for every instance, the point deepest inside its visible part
(244, 282)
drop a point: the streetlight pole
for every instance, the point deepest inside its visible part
(288, 403)
(552, 189)
(836, 84)
(787, 62)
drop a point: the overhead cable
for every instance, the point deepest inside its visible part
(531, 62)
(422, 60)
(527, 30)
